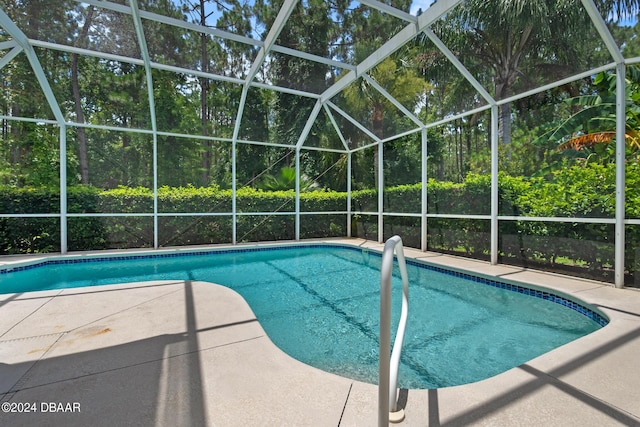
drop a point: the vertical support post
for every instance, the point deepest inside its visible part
(621, 113)
(380, 184)
(349, 194)
(156, 238)
(297, 202)
(23, 41)
(234, 145)
(234, 205)
(494, 184)
(423, 193)
(144, 51)
(63, 189)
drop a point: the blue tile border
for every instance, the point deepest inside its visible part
(537, 293)
(211, 252)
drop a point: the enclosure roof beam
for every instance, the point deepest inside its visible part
(458, 116)
(8, 44)
(327, 110)
(353, 121)
(285, 90)
(270, 39)
(459, 66)
(436, 11)
(310, 121)
(23, 42)
(395, 43)
(402, 134)
(142, 42)
(557, 83)
(433, 13)
(173, 21)
(312, 57)
(165, 67)
(218, 33)
(9, 56)
(134, 61)
(392, 100)
(603, 31)
(390, 10)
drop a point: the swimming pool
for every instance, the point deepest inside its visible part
(320, 304)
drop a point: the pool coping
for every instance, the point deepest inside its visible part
(590, 381)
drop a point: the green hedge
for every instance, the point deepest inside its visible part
(35, 235)
(585, 249)
(580, 191)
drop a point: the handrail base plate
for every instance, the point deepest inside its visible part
(396, 417)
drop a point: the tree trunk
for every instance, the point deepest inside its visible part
(204, 108)
(459, 149)
(377, 122)
(80, 132)
(83, 157)
(506, 77)
(15, 150)
(504, 123)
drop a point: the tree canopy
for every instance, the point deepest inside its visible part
(209, 91)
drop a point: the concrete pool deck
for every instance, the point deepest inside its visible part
(185, 353)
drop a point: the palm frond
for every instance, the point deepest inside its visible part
(632, 137)
(579, 121)
(584, 101)
(587, 141)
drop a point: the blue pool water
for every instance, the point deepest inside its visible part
(320, 304)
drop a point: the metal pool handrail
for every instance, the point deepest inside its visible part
(388, 371)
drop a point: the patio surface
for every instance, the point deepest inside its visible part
(183, 353)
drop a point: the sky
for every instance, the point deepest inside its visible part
(415, 6)
(419, 4)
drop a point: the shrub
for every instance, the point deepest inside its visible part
(579, 191)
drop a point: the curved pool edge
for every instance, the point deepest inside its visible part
(590, 381)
